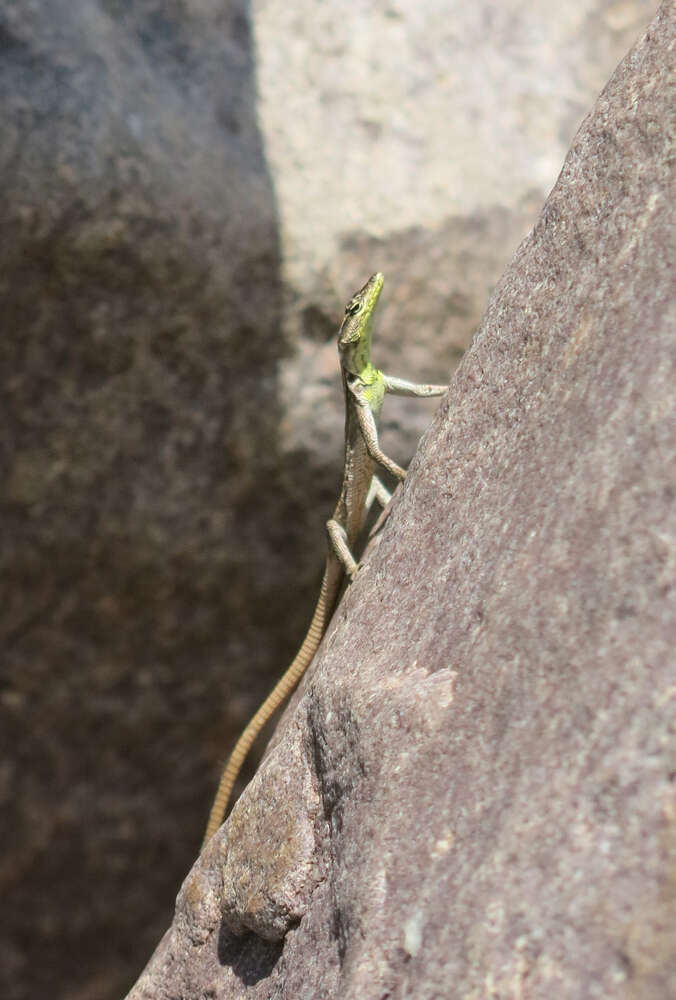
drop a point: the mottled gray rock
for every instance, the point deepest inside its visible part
(490, 725)
(139, 285)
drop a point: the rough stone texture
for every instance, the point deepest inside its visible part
(139, 283)
(169, 406)
(270, 870)
(490, 727)
(426, 105)
(425, 136)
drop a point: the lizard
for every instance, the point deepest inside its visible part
(364, 388)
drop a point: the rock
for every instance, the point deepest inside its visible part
(489, 726)
(170, 432)
(270, 853)
(139, 277)
(425, 138)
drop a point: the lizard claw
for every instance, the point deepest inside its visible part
(352, 574)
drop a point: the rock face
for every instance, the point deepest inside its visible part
(473, 792)
(139, 281)
(170, 283)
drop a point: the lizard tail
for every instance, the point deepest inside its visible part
(279, 693)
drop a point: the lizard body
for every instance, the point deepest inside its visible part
(365, 388)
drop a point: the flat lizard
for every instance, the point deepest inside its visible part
(365, 388)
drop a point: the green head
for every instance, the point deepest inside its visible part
(354, 337)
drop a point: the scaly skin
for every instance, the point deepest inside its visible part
(365, 388)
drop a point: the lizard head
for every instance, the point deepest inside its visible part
(354, 336)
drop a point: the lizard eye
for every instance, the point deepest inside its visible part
(353, 307)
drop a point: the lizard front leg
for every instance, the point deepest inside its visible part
(402, 387)
(369, 431)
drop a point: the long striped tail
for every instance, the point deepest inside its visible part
(279, 693)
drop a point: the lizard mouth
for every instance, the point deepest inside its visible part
(349, 337)
(362, 302)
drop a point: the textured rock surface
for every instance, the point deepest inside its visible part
(139, 416)
(425, 137)
(427, 105)
(485, 749)
(161, 501)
